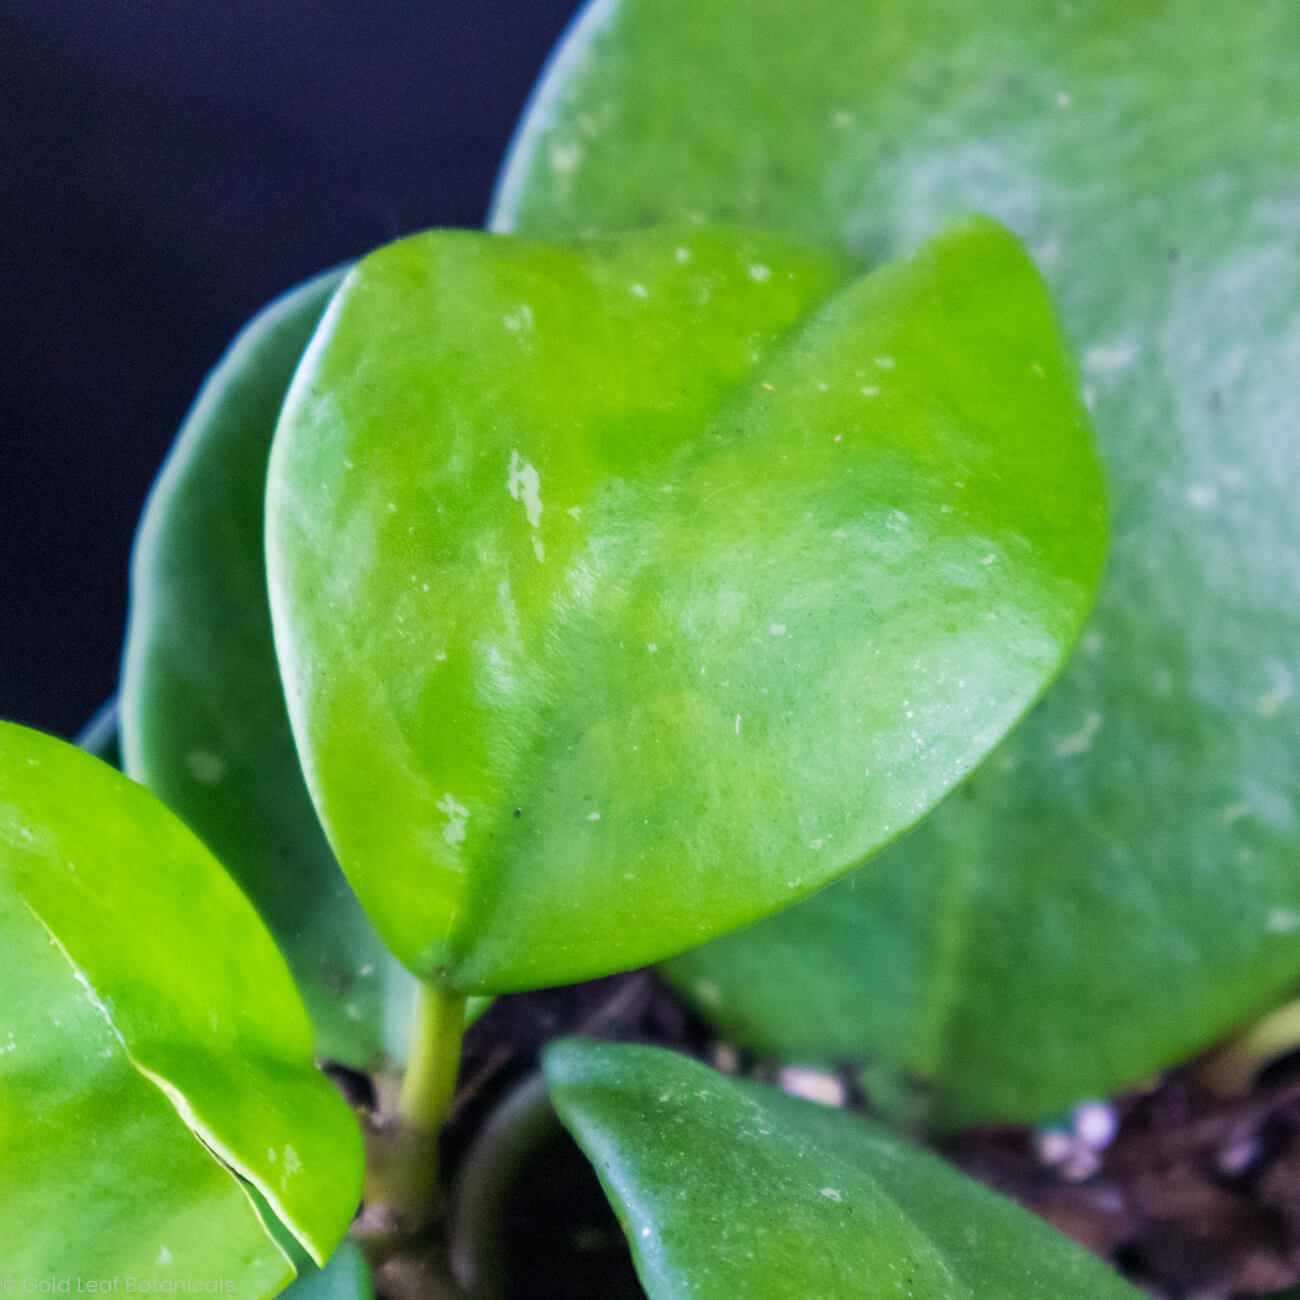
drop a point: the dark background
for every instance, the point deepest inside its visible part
(166, 167)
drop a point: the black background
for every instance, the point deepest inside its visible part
(166, 167)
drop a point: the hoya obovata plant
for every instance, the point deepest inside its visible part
(522, 607)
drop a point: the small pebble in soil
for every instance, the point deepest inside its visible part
(726, 1060)
(811, 1084)
(1095, 1124)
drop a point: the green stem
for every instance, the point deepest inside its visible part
(438, 1026)
(403, 1197)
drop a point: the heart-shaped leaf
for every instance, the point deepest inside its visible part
(1139, 833)
(626, 591)
(168, 1005)
(203, 717)
(733, 1189)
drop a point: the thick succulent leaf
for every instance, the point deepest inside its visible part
(626, 591)
(728, 1189)
(188, 986)
(203, 717)
(102, 1176)
(1139, 832)
(345, 1277)
(101, 736)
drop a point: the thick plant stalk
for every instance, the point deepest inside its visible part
(430, 1082)
(403, 1198)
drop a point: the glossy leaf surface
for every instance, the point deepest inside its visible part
(167, 971)
(102, 1176)
(733, 1189)
(203, 717)
(1117, 886)
(626, 591)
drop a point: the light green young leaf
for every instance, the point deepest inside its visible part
(732, 1189)
(102, 1177)
(203, 718)
(625, 591)
(167, 979)
(1117, 886)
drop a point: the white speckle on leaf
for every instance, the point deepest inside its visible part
(271, 1155)
(708, 993)
(1202, 495)
(1108, 357)
(841, 118)
(871, 390)
(392, 506)
(457, 815)
(164, 1257)
(1062, 99)
(683, 254)
(1278, 693)
(737, 724)
(885, 363)
(593, 817)
(816, 844)
(760, 272)
(1282, 920)
(520, 319)
(565, 157)
(206, 767)
(539, 550)
(652, 648)
(777, 629)
(1080, 741)
(639, 291)
(525, 484)
(832, 1195)
(988, 559)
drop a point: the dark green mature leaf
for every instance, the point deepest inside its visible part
(1118, 885)
(627, 591)
(101, 736)
(203, 717)
(345, 1277)
(166, 978)
(732, 1189)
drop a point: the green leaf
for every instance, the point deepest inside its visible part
(618, 605)
(168, 1000)
(1117, 886)
(733, 1189)
(112, 1181)
(345, 1277)
(203, 717)
(101, 735)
